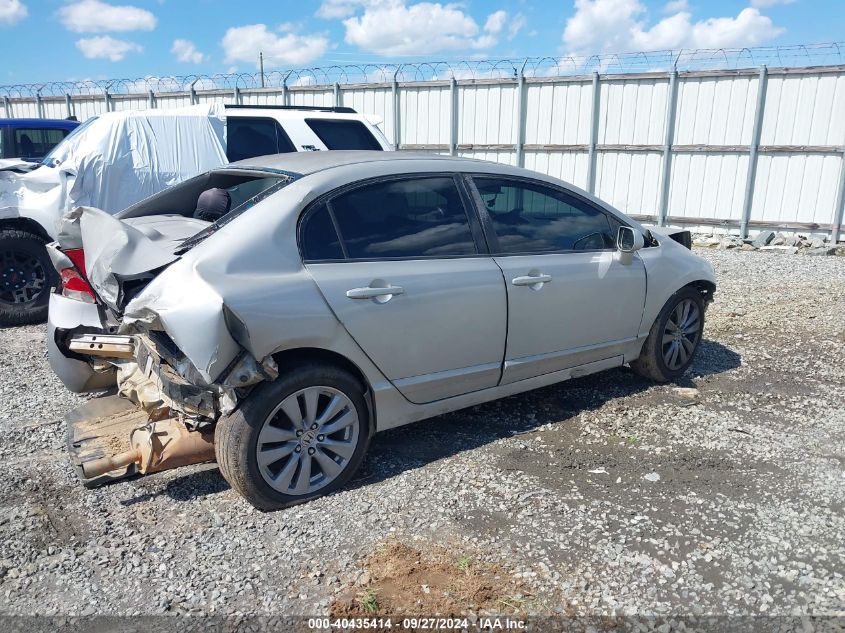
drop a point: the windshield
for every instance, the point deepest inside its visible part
(61, 151)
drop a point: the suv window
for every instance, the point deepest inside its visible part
(532, 218)
(255, 136)
(343, 134)
(37, 142)
(419, 217)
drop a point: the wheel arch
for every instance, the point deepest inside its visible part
(288, 359)
(25, 224)
(705, 287)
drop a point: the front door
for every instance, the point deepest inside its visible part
(398, 262)
(571, 300)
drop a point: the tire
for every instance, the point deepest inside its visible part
(26, 276)
(653, 362)
(260, 443)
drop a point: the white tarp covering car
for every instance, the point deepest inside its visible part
(110, 162)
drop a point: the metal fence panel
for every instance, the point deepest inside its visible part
(715, 110)
(796, 188)
(424, 118)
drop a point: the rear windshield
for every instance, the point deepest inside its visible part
(343, 134)
(244, 195)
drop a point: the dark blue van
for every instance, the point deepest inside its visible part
(32, 139)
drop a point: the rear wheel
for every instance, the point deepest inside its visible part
(26, 276)
(674, 338)
(299, 437)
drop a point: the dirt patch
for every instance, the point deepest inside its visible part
(398, 580)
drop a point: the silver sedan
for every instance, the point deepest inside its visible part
(323, 297)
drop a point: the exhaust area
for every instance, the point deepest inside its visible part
(110, 438)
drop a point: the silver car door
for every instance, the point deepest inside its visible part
(570, 299)
(398, 263)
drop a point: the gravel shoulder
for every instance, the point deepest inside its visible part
(722, 494)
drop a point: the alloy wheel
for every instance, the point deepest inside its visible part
(308, 440)
(22, 277)
(681, 334)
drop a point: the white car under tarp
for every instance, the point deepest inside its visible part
(114, 161)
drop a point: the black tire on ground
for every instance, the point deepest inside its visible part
(26, 277)
(237, 435)
(651, 363)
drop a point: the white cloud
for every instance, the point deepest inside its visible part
(186, 51)
(243, 43)
(516, 25)
(94, 16)
(762, 4)
(105, 47)
(12, 12)
(619, 26)
(335, 9)
(391, 27)
(673, 6)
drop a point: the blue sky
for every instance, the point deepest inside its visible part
(44, 40)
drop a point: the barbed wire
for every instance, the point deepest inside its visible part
(801, 55)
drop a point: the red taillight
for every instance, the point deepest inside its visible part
(74, 284)
(77, 256)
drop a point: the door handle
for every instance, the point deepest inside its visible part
(373, 293)
(531, 280)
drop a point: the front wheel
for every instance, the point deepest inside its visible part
(26, 276)
(299, 437)
(674, 338)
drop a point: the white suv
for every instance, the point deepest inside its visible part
(117, 159)
(263, 130)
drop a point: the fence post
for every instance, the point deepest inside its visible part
(338, 98)
(522, 114)
(668, 140)
(193, 92)
(236, 94)
(68, 105)
(594, 134)
(285, 97)
(839, 208)
(7, 104)
(107, 99)
(39, 104)
(151, 99)
(752, 153)
(453, 117)
(397, 141)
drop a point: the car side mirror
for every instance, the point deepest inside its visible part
(629, 240)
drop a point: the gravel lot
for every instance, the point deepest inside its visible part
(724, 494)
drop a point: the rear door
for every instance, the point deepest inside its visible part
(401, 263)
(571, 301)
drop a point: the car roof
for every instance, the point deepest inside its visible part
(63, 124)
(305, 163)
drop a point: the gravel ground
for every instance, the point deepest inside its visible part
(723, 494)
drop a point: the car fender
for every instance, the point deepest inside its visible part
(669, 267)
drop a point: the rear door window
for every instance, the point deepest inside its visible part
(343, 134)
(37, 142)
(396, 219)
(255, 136)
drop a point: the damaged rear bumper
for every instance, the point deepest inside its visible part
(152, 382)
(77, 372)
